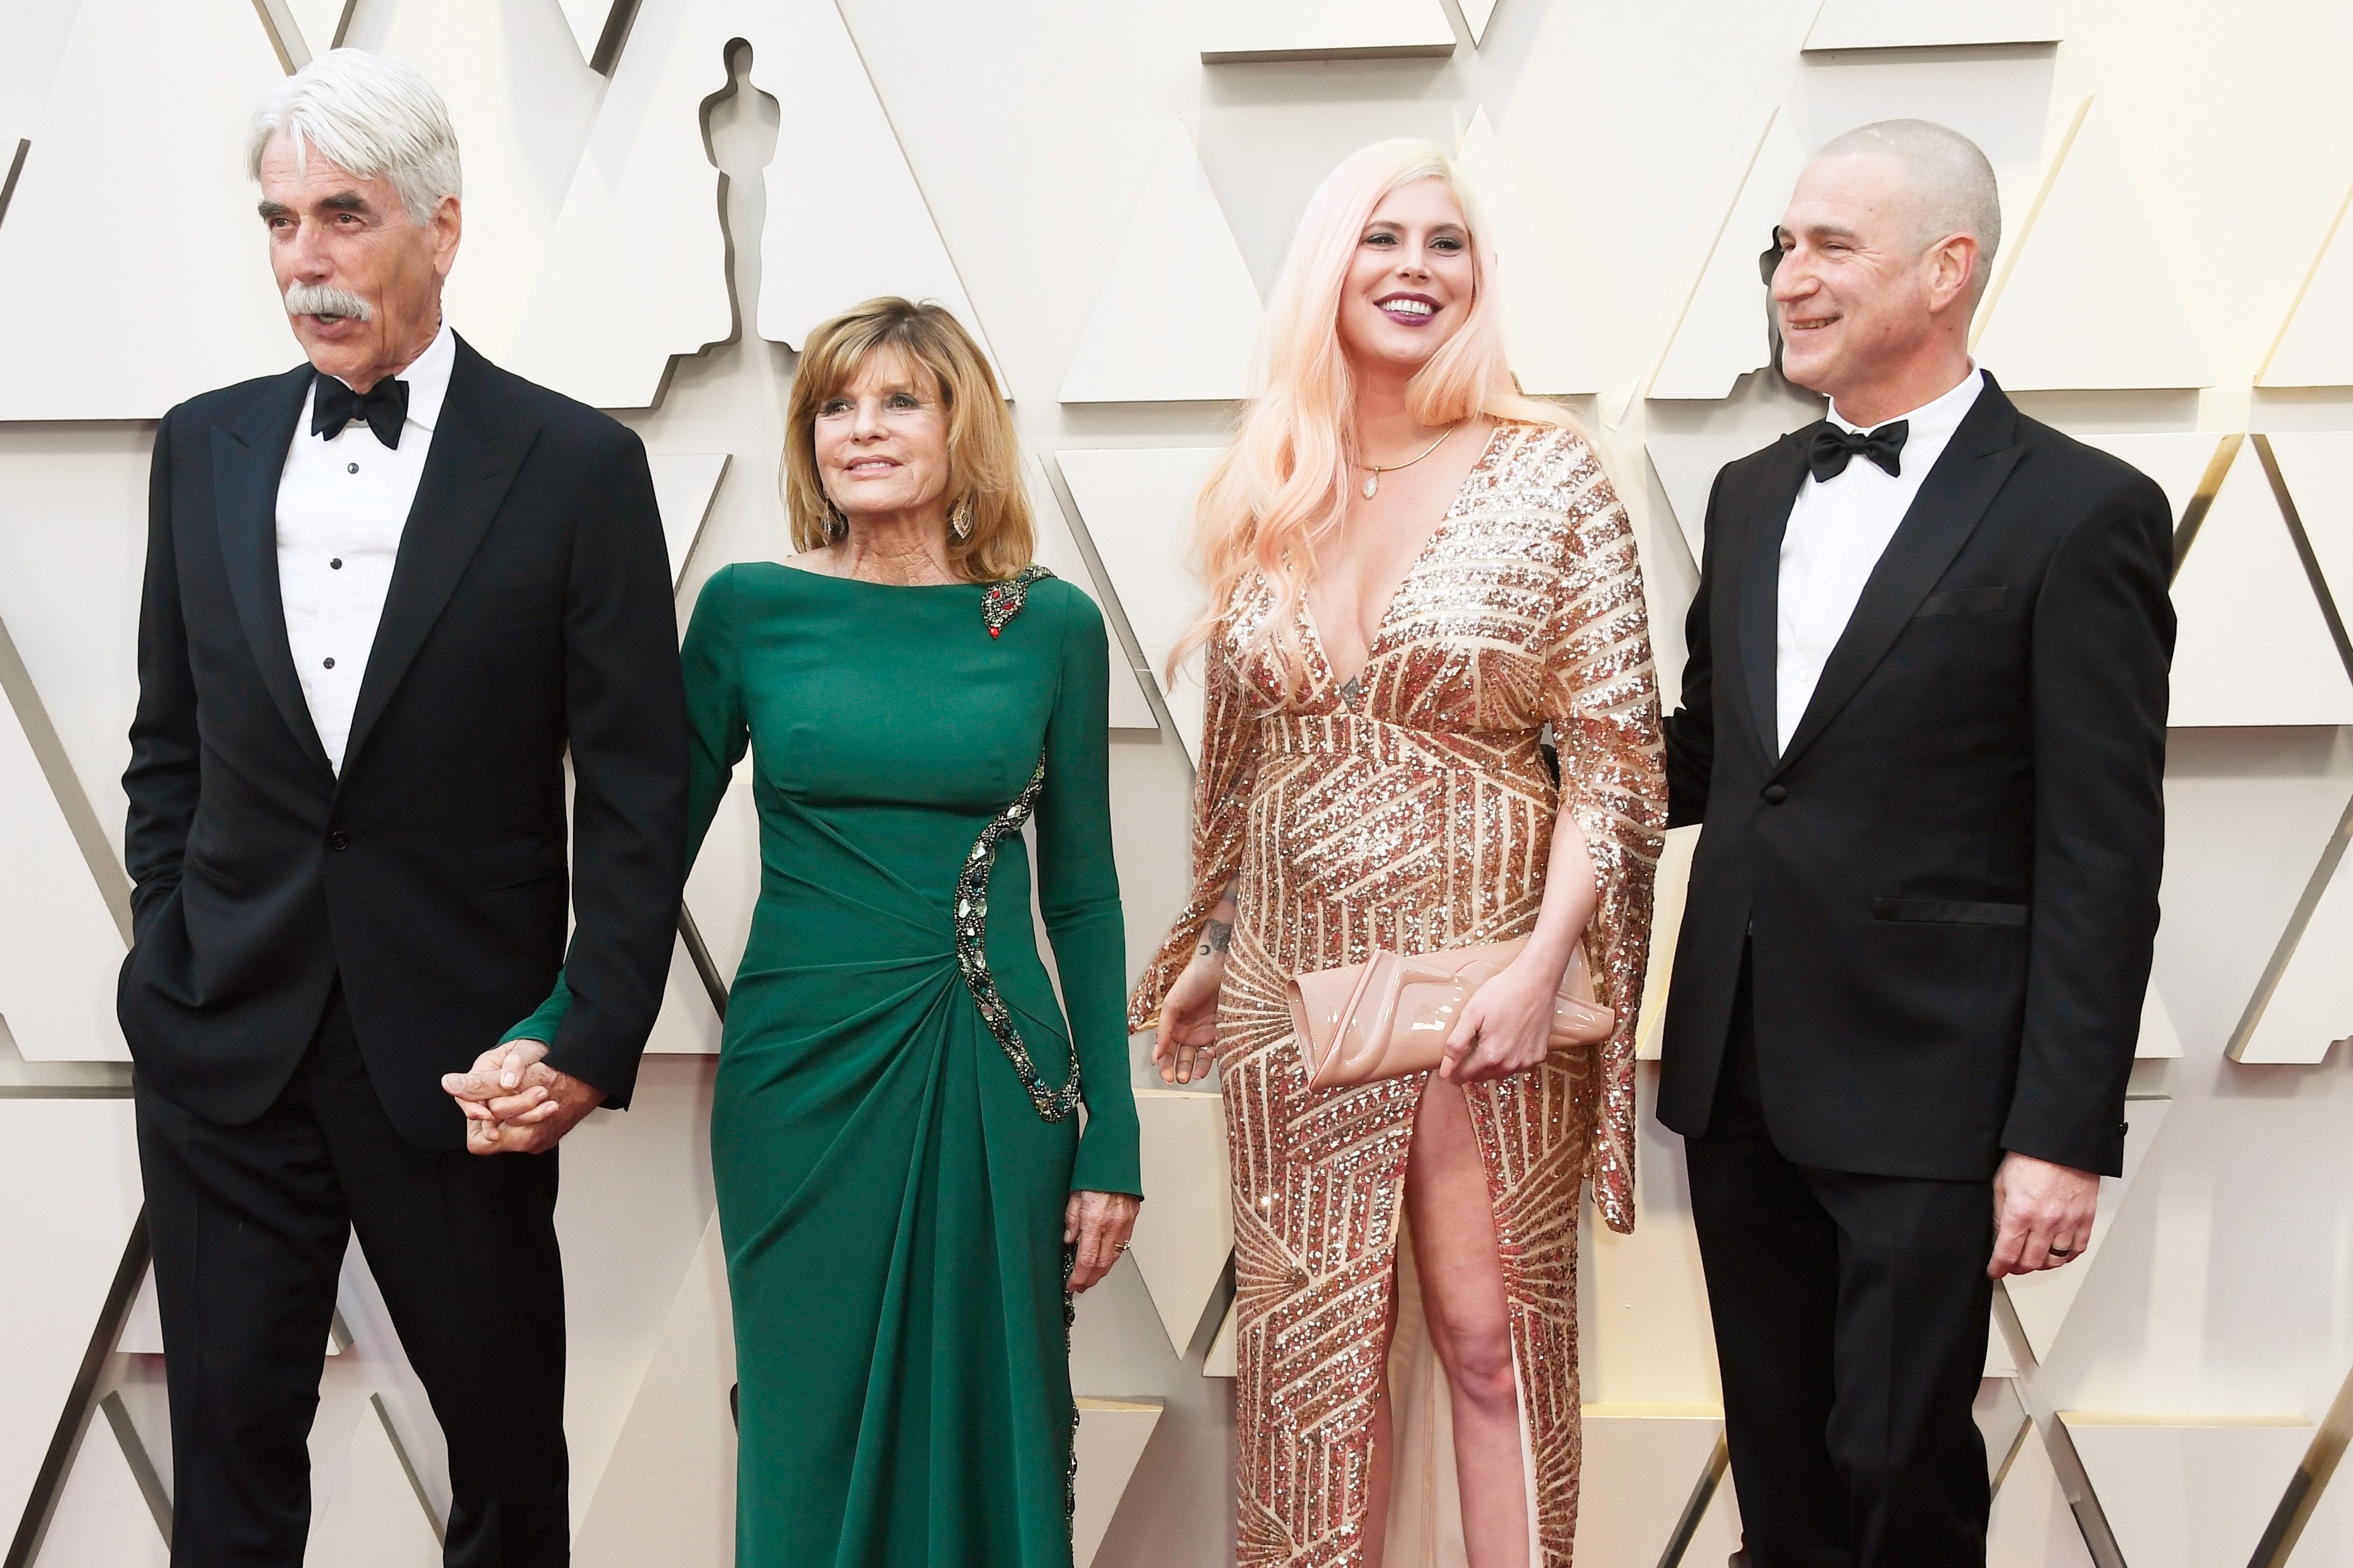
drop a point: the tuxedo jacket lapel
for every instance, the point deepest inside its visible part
(1760, 589)
(247, 459)
(475, 454)
(1953, 500)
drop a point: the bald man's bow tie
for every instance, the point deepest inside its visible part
(1833, 446)
(384, 407)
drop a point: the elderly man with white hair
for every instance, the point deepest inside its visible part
(1923, 724)
(386, 592)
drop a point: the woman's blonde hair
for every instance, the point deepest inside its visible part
(984, 453)
(1283, 485)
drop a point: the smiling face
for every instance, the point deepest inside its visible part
(882, 441)
(1862, 303)
(1410, 281)
(363, 282)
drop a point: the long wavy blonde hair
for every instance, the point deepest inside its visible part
(1281, 489)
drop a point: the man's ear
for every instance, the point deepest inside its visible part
(448, 227)
(1953, 268)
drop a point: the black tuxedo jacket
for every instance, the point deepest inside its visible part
(1948, 882)
(529, 611)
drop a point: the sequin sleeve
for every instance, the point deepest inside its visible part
(1220, 808)
(1600, 696)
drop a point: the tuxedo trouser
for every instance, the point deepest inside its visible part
(1850, 1319)
(250, 1225)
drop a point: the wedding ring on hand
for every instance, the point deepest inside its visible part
(2061, 1251)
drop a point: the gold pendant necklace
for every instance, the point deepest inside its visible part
(1373, 477)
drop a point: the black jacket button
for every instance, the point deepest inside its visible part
(1775, 795)
(339, 840)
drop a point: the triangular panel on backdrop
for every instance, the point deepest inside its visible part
(2181, 1492)
(1325, 30)
(2315, 347)
(882, 242)
(638, 252)
(684, 484)
(2253, 645)
(1718, 1536)
(1540, 333)
(1476, 14)
(1109, 1442)
(102, 1519)
(688, 1025)
(1726, 329)
(1182, 1250)
(1666, 927)
(523, 106)
(1928, 24)
(323, 23)
(1999, 1361)
(1059, 552)
(2043, 1300)
(2316, 468)
(2328, 1535)
(588, 19)
(1179, 314)
(2159, 1038)
(2183, 462)
(33, 36)
(1640, 1463)
(198, 67)
(2001, 1420)
(2303, 1004)
(2032, 1525)
(1687, 467)
(60, 951)
(722, 885)
(82, 1157)
(1137, 503)
(1222, 1360)
(2085, 302)
(366, 1512)
(668, 1494)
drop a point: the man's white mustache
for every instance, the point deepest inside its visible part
(320, 299)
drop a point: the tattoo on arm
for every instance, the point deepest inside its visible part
(1217, 936)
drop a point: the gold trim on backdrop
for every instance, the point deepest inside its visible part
(2201, 501)
(2288, 321)
(2304, 1487)
(2017, 246)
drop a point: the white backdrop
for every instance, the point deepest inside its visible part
(1105, 192)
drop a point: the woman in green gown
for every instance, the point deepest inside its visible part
(904, 1192)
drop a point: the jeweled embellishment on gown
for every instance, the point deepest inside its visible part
(1004, 600)
(972, 954)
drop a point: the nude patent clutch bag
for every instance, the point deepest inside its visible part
(1391, 1016)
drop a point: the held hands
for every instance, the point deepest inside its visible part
(515, 1103)
(1506, 1026)
(1100, 1224)
(2043, 1214)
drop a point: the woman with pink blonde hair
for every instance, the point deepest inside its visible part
(1414, 574)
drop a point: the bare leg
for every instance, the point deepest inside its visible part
(1384, 1468)
(1469, 1324)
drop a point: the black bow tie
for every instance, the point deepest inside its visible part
(384, 406)
(1834, 447)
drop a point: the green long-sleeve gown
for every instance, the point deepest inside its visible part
(889, 1196)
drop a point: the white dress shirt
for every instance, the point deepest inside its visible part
(341, 505)
(1838, 530)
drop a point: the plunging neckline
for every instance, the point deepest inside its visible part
(1351, 689)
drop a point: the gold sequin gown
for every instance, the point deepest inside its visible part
(1415, 814)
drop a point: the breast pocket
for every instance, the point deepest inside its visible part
(1950, 911)
(499, 611)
